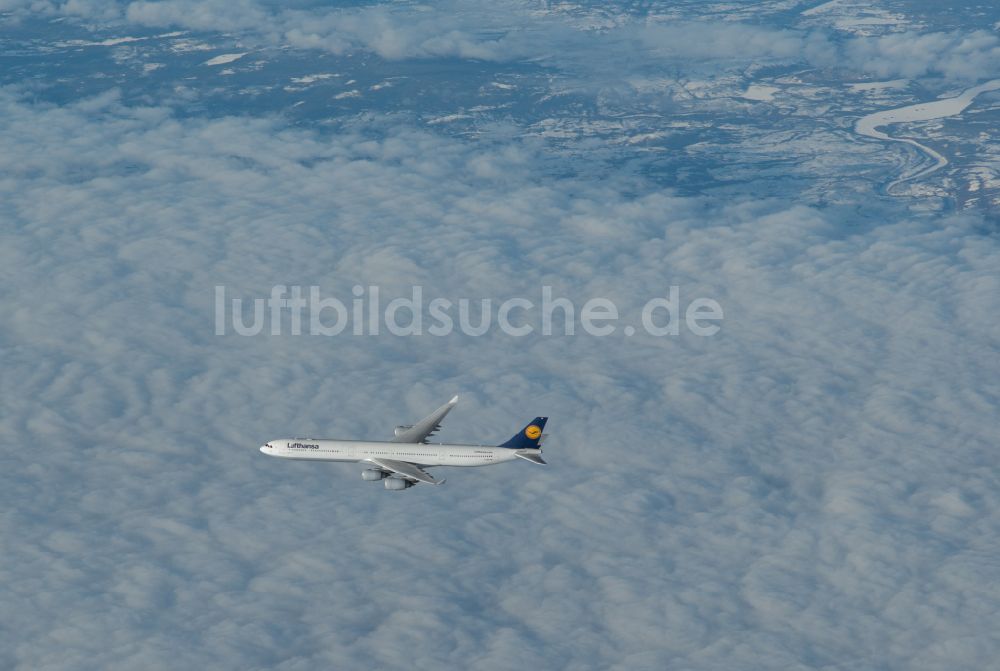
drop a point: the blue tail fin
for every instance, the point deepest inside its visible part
(528, 437)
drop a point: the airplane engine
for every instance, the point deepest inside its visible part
(397, 483)
(403, 429)
(371, 475)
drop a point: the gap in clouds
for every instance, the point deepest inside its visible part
(738, 108)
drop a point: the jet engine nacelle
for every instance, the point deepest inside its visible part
(397, 483)
(403, 429)
(371, 475)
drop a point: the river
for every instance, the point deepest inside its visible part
(938, 109)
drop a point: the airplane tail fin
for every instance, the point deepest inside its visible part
(529, 437)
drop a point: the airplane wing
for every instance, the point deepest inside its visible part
(425, 428)
(408, 470)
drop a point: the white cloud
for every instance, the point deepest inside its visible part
(969, 56)
(518, 31)
(811, 487)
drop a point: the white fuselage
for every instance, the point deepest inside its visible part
(315, 449)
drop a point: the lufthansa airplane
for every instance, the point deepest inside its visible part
(401, 461)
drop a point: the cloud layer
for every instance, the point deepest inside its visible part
(814, 487)
(566, 36)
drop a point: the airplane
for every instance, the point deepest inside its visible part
(400, 462)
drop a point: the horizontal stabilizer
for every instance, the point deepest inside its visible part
(533, 458)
